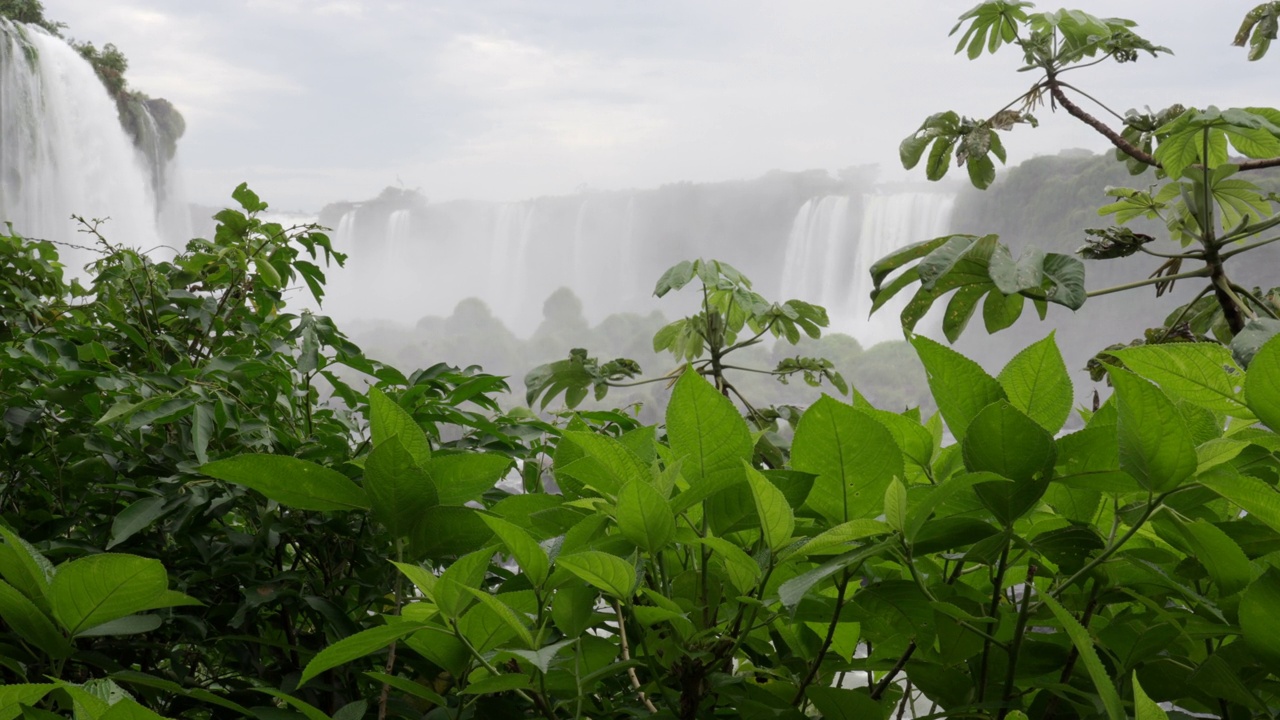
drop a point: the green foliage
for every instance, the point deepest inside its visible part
(1196, 155)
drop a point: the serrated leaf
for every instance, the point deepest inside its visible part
(1037, 383)
(959, 385)
(645, 517)
(1156, 447)
(1262, 384)
(777, 522)
(530, 556)
(1089, 656)
(853, 456)
(387, 420)
(398, 487)
(1201, 373)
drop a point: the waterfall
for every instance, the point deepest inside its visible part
(509, 254)
(828, 264)
(398, 229)
(63, 149)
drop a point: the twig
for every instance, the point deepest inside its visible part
(626, 657)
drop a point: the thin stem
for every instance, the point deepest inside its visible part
(1202, 272)
(1152, 505)
(1015, 646)
(1227, 254)
(1186, 309)
(997, 585)
(1189, 255)
(885, 681)
(1096, 101)
(626, 657)
(826, 642)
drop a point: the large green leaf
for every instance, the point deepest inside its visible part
(388, 420)
(607, 573)
(1260, 617)
(398, 487)
(1262, 385)
(464, 477)
(1036, 382)
(777, 522)
(357, 646)
(853, 456)
(447, 531)
(645, 517)
(619, 463)
(25, 568)
(1004, 441)
(292, 482)
(1216, 551)
(959, 385)
(706, 433)
(93, 590)
(31, 623)
(1156, 447)
(505, 614)
(1253, 496)
(1089, 656)
(1201, 373)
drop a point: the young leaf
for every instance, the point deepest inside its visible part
(644, 517)
(466, 572)
(291, 482)
(1144, 707)
(895, 505)
(421, 578)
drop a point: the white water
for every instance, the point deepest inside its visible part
(399, 229)
(829, 263)
(509, 262)
(63, 150)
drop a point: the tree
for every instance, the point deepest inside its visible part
(1211, 214)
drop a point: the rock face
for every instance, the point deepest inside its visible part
(64, 149)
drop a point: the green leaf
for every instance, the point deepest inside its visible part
(292, 482)
(96, 589)
(840, 537)
(447, 531)
(1144, 707)
(706, 433)
(466, 572)
(542, 657)
(1155, 446)
(137, 517)
(528, 554)
(1037, 383)
(607, 573)
(1260, 617)
(1003, 440)
(406, 685)
(1262, 384)
(791, 592)
(959, 385)
(1253, 496)
(387, 420)
(31, 623)
(505, 614)
(464, 477)
(422, 578)
(895, 505)
(398, 487)
(777, 522)
(1246, 344)
(128, 625)
(308, 710)
(853, 456)
(841, 704)
(887, 264)
(1089, 656)
(616, 459)
(25, 568)
(1201, 373)
(645, 517)
(1217, 552)
(743, 571)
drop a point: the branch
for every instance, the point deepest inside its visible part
(1105, 130)
(626, 657)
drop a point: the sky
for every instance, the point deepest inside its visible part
(315, 101)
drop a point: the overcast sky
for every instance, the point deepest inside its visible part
(313, 101)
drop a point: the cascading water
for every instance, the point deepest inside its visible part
(398, 233)
(508, 258)
(827, 263)
(63, 149)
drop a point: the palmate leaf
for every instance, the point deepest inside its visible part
(1258, 29)
(994, 23)
(976, 268)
